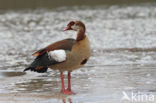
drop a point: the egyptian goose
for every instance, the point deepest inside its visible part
(65, 55)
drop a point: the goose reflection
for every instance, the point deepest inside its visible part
(69, 100)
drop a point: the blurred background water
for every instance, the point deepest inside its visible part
(123, 42)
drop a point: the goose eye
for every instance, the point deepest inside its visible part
(72, 23)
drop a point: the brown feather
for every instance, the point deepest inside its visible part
(39, 52)
(39, 67)
(65, 44)
(81, 33)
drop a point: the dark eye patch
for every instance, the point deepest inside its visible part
(72, 23)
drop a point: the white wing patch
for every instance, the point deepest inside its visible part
(58, 55)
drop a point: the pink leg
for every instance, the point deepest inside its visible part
(69, 83)
(68, 90)
(62, 82)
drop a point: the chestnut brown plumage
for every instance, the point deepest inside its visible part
(77, 54)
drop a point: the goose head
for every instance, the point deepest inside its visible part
(75, 25)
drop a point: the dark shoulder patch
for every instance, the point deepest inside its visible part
(84, 61)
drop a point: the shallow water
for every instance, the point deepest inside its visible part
(123, 58)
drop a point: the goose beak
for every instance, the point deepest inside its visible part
(67, 28)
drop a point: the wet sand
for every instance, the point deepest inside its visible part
(99, 84)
